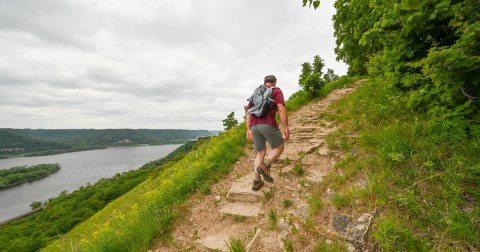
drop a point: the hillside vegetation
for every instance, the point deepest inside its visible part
(131, 222)
(12, 144)
(32, 142)
(411, 132)
(417, 119)
(67, 210)
(148, 210)
(424, 186)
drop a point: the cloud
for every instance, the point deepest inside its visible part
(150, 63)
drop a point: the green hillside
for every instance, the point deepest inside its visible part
(423, 185)
(64, 212)
(12, 144)
(49, 141)
(131, 221)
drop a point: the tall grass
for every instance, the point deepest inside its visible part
(425, 182)
(235, 245)
(130, 222)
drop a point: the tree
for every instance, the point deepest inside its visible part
(306, 71)
(351, 21)
(314, 3)
(311, 77)
(427, 50)
(35, 204)
(330, 76)
(317, 65)
(230, 121)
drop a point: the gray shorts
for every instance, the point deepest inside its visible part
(265, 132)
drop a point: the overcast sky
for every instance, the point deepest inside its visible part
(150, 63)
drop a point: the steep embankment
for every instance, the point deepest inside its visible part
(293, 213)
(130, 222)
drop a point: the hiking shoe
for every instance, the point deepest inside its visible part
(264, 170)
(257, 184)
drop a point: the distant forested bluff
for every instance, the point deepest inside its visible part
(37, 142)
(22, 174)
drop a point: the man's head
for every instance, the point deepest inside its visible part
(270, 80)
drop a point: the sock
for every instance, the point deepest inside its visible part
(257, 176)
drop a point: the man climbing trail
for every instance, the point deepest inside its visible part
(262, 127)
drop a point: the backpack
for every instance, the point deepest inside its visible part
(260, 101)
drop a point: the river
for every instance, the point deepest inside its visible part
(77, 169)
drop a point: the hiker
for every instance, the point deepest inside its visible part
(262, 127)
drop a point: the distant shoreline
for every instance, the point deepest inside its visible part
(55, 152)
(42, 142)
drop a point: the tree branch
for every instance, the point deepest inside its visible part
(470, 98)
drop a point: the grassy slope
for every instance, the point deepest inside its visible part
(66, 211)
(131, 221)
(424, 184)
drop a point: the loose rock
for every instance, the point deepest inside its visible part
(329, 193)
(359, 230)
(340, 223)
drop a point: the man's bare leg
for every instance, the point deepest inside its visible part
(274, 154)
(258, 160)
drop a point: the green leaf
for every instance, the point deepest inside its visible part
(410, 4)
(316, 4)
(443, 4)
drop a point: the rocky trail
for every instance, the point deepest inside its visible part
(285, 215)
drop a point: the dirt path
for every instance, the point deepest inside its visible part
(285, 215)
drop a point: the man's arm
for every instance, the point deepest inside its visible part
(283, 118)
(247, 122)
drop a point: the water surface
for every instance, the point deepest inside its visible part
(77, 169)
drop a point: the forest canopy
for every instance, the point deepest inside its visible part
(21, 174)
(429, 50)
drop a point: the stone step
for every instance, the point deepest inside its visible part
(241, 190)
(247, 209)
(216, 242)
(303, 138)
(311, 120)
(311, 148)
(313, 134)
(304, 134)
(304, 129)
(316, 176)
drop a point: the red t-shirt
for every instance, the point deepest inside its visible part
(277, 96)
